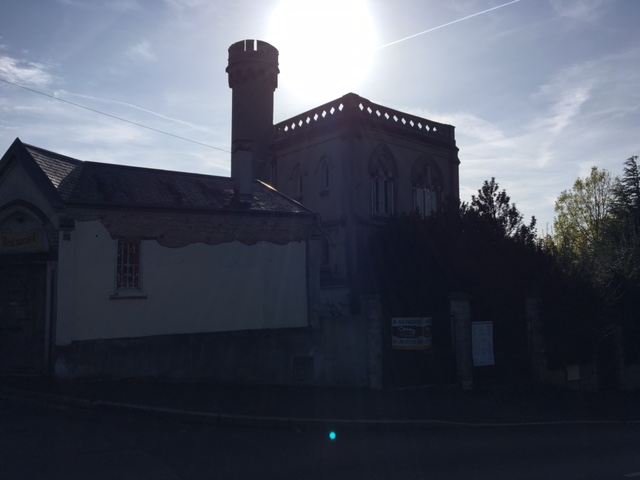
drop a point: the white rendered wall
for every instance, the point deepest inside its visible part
(198, 288)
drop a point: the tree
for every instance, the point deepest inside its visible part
(597, 237)
(582, 216)
(624, 231)
(482, 248)
(624, 235)
(493, 206)
(627, 191)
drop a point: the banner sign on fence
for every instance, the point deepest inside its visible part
(411, 333)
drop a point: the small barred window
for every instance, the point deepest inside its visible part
(128, 267)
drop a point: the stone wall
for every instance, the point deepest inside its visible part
(342, 352)
(250, 356)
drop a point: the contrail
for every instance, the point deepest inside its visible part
(447, 24)
(55, 97)
(130, 105)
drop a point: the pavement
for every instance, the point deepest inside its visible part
(345, 408)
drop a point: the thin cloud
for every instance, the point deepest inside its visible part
(73, 3)
(95, 138)
(475, 130)
(24, 73)
(122, 6)
(142, 51)
(566, 93)
(521, 158)
(182, 4)
(581, 10)
(567, 107)
(107, 133)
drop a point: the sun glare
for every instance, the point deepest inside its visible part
(326, 46)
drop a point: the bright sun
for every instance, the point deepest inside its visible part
(326, 46)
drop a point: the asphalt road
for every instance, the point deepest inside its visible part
(39, 441)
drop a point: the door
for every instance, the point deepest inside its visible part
(22, 318)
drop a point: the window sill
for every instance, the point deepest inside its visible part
(127, 295)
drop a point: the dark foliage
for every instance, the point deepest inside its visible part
(623, 238)
(484, 249)
(605, 266)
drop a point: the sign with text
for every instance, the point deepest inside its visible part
(411, 333)
(482, 343)
(31, 240)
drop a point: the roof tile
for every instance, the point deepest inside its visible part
(110, 185)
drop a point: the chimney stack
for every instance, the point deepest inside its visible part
(253, 78)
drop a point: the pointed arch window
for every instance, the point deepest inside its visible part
(382, 194)
(382, 168)
(426, 180)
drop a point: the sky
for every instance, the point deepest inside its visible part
(539, 90)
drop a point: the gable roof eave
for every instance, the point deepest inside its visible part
(69, 183)
(18, 153)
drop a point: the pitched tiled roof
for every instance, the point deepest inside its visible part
(107, 185)
(63, 172)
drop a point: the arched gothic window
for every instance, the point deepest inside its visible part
(426, 179)
(382, 168)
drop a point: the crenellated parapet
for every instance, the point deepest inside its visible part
(251, 60)
(360, 108)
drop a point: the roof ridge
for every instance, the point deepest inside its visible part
(118, 165)
(152, 169)
(111, 185)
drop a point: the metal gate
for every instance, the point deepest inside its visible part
(22, 318)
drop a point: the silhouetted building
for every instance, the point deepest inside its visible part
(123, 271)
(94, 252)
(352, 161)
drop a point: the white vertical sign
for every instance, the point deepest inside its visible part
(482, 343)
